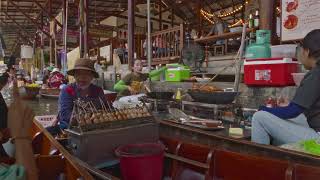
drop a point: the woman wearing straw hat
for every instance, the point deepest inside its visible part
(84, 73)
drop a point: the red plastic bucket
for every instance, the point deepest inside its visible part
(141, 161)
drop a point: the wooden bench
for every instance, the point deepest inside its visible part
(303, 172)
(188, 160)
(235, 166)
(196, 161)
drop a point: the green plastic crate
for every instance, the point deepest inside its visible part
(177, 74)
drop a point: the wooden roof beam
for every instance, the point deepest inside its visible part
(29, 18)
(163, 10)
(176, 9)
(19, 26)
(144, 17)
(50, 16)
(25, 37)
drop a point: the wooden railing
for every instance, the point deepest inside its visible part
(166, 45)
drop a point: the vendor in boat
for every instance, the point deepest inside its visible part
(4, 131)
(299, 119)
(46, 75)
(83, 89)
(56, 79)
(4, 77)
(131, 83)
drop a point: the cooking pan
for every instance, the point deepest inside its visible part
(160, 95)
(213, 97)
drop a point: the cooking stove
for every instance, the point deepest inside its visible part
(226, 112)
(159, 105)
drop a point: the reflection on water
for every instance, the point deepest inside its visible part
(43, 106)
(40, 106)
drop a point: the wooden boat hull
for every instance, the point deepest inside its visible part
(185, 159)
(52, 159)
(50, 93)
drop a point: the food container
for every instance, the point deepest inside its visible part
(270, 72)
(32, 92)
(110, 95)
(213, 97)
(283, 51)
(177, 72)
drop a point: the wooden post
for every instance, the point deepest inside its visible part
(244, 10)
(65, 32)
(267, 17)
(266, 14)
(51, 41)
(172, 17)
(82, 20)
(86, 28)
(200, 18)
(160, 15)
(182, 37)
(131, 33)
(55, 43)
(111, 51)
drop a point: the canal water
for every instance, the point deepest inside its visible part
(40, 106)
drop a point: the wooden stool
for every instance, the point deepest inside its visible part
(219, 49)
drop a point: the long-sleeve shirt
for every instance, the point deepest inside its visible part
(3, 113)
(67, 97)
(291, 111)
(122, 85)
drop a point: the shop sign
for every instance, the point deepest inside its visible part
(299, 17)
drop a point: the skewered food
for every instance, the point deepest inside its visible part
(85, 115)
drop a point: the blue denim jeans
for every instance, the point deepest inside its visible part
(267, 128)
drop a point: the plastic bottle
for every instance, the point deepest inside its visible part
(178, 94)
(250, 21)
(256, 21)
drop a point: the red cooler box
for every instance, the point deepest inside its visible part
(270, 72)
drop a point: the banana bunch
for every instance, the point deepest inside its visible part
(33, 85)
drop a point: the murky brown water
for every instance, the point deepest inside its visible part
(40, 106)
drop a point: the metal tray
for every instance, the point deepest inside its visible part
(197, 125)
(204, 127)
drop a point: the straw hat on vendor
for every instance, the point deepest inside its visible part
(84, 65)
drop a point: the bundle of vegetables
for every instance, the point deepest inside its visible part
(33, 85)
(311, 146)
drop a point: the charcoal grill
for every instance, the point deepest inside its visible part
(97, 145)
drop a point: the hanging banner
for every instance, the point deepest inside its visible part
(299, 17)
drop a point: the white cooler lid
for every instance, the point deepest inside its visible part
(270, 61)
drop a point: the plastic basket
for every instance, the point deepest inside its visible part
(46, 121)
(32, 91)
